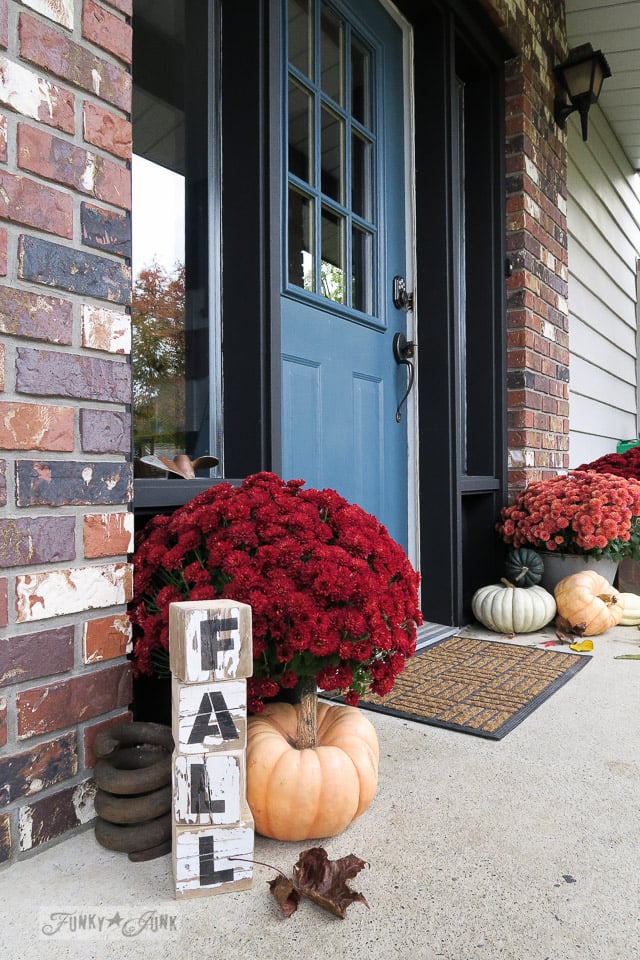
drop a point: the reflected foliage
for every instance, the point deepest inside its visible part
(158, 318)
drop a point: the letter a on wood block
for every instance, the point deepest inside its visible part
(201, 861)
(210, 640)
(209, 788)
(209, 717)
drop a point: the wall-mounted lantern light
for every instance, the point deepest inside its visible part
(580, 77)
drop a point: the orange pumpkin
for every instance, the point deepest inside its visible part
(315, 792)
(588, 598)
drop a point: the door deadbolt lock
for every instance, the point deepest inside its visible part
(402, 299)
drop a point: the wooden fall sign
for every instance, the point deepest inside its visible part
(211, 656)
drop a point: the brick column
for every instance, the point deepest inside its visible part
(537, 309)
(65, 421)
(536, 240)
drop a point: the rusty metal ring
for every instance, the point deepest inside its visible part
(133, 809)
(132, 734)
(137, 856)
(133, 770)
(135, 837)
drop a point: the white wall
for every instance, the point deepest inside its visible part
(603, 219)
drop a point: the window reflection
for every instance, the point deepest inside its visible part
(332, 155)
(158, 309)
(332, 253)
(360, 83)
(362, 285)
(361, 151)
(301, 265)
(300, 132)
(300, 48)
(170, 252)
(332, 55)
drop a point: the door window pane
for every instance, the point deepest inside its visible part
(362, 270)
(332, 231)
(332, 253)
(332, 155)
(360, 83)
(300, 227)
(361, 192)
(300, 36)
(332, 55)
(300, 132)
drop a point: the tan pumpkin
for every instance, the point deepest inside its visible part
(314, 792)
(587, 598)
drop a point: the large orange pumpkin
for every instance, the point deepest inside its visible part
(314, 792)
(588, 598)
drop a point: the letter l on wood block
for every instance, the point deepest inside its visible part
(209, 789)
(201, 859)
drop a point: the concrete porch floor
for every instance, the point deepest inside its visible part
(523, 849)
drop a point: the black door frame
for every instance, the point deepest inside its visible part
(458, 504)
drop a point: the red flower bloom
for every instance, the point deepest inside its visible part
(288, 680)
(581, 512)
(334, 598)
(620, 464)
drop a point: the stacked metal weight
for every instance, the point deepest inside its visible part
(134, 797)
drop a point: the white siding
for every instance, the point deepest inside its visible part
(603, 221)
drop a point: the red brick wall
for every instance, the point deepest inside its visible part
(65, 382)
(536, 230)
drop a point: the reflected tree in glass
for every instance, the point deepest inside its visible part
(158, 320)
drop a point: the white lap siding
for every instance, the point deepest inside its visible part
(603, 221)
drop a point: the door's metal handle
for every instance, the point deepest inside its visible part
(403, 353)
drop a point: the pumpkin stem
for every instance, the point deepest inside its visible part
(507, 583)
(608, 598)
(307, 710)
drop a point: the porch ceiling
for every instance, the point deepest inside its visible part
(613, 26)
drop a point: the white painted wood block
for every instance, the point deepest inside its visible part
(209, 717)
(209, 789)
(210, 640)
(201, 861)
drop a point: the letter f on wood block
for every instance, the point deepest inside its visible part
(210, 640)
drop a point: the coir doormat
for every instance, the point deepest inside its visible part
(482, 687)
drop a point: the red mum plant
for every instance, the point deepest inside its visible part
(334, 599)
(625, 464)
(581, 512)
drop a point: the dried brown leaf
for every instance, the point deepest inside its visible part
(285, 893)
(325, 881)
(566, 632)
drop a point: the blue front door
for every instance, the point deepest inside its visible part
(345, 241)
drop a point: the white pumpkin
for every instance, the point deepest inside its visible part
(508, 609)
(631, 606)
